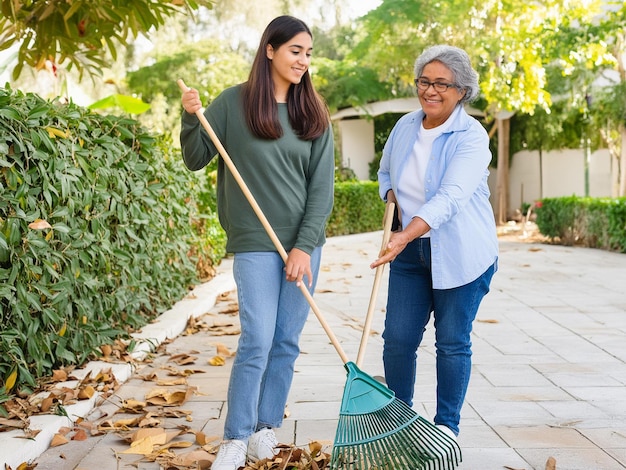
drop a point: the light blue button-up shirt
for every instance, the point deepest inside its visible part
(463, 235)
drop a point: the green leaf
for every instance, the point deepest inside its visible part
(3, 242)
(10, 113)
(128, 104)
(61, 227)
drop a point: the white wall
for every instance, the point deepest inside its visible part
(557, 173)
(357, 145)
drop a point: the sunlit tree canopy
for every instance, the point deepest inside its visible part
(79, 32)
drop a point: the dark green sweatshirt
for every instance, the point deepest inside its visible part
(291, 179)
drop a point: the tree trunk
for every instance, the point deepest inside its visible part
(502, 174)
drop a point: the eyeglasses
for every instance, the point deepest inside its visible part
(441, 87)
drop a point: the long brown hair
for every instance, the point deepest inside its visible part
(308, 114)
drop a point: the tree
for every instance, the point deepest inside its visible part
(608, 101)
(207, 66)
(79, 32)
(398, 30)
(345, 83)
(513, 45)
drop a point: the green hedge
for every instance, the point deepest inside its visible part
(99, 233)
(591, 222)
(357, 208)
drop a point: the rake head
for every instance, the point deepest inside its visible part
(378, 431)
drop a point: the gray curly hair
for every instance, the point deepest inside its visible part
(459, 64)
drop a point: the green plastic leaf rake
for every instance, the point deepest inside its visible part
(378, 431)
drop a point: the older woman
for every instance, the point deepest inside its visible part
(435, 168)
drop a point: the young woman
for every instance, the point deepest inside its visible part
(277, 131)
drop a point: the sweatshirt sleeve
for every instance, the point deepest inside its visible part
(320, 193)
(196, 145)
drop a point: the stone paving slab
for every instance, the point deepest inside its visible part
(549, 370)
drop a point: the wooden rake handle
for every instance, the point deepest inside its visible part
(266, 225)
(387, 222)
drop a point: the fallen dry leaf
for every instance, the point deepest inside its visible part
(106, 350)
(201, 438)
(162, 397)
(151, 377)
(143, 446)
(58, 440)
(29, 434)
(83, 423)
(171, 382)
(133, 406)
(222, 329)
(178, 445)
(120, 424)
(226, 295)
(24, 466)
(183, 359)
(231, 309)
(64, 430)
(12, 423)
(174, 413)
(223, 351)
(80, 435)
(86, 392)
(59, 375)
(159, 435)
(171, 370)
(196, 459)
(217, 361)
(149, 421)
(46, 404)
(39, 224)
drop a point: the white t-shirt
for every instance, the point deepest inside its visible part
(411, 190)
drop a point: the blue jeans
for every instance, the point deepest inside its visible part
(272, 312)
(411, 300)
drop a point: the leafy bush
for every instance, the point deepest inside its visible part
(99, 232)
(592, 222)
(357, 208)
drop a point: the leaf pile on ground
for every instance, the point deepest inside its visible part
(156, 427)
(63, 388)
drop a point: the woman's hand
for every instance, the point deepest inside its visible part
(400, 239)
(191, 100)
(397, 242)
(297, 266)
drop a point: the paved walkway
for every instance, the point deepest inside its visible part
(549, 373)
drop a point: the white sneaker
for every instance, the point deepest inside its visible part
(262, 445)
(231, 456)
(447, 431)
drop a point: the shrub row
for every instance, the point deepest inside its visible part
(357, 209)
(591, 222)
(99, 232)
